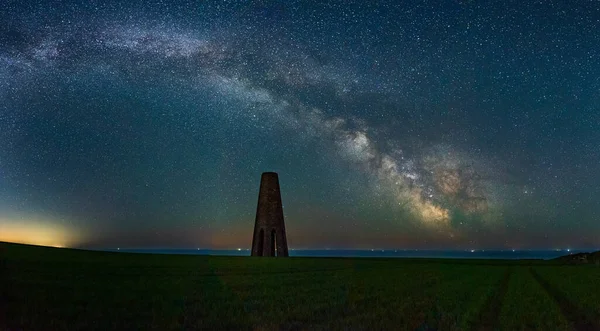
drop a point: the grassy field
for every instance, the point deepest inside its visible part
(61, 289)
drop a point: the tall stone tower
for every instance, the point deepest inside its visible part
(269, 230)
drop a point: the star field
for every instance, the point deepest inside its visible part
(427, 124)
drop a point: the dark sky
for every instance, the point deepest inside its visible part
(392, 124)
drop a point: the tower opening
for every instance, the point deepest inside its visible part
(261, 242)
(273, 247)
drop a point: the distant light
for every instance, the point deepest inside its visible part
(568, 249)
(198, 248)
(239, 249)
(513, 250)
(118, 248)
(472, 251)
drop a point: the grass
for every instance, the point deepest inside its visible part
(577, 288)
(526, 306)
(61, 289)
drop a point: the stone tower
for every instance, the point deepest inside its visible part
(269, 230)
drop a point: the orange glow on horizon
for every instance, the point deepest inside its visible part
(37, 233)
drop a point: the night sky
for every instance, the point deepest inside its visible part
(401, 124)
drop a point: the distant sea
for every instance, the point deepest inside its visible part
(449, 254)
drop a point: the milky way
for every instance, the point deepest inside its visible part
(429, 125)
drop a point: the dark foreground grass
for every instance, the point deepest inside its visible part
(526, 306)
(62, 289)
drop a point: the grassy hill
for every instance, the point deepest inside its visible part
(63, 289)
(580, 258)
